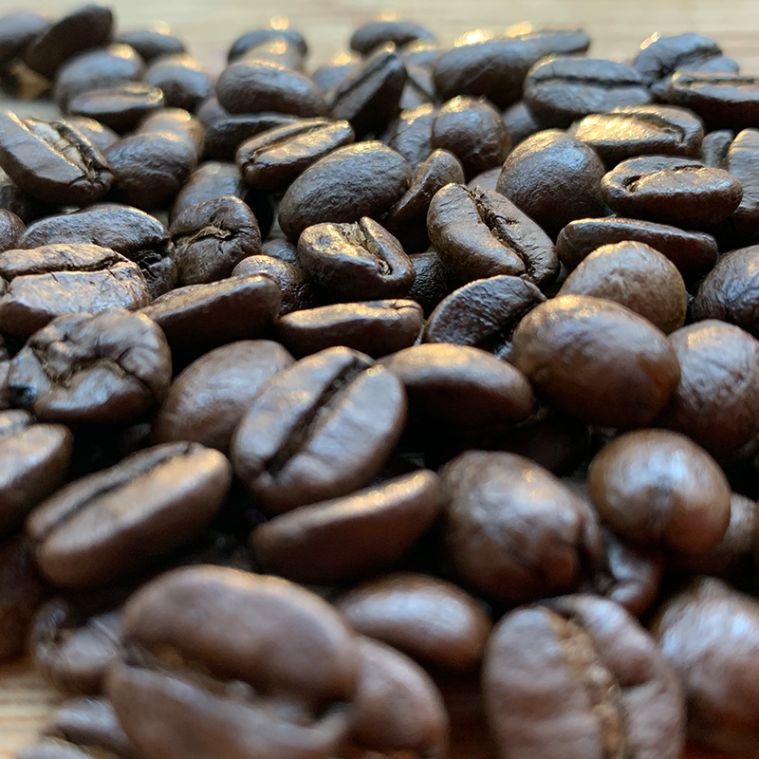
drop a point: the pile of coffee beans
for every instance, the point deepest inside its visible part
(403, 407)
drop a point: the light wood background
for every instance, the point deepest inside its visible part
(617, 27)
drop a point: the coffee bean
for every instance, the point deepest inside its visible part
(561, 90)
(495, 66)
(636, 276)
(181, 78)
(700, 632)
(101, 136)
(149, 169)
(742, 161)
(281, 249)
(330, 74)
(53, 748)
(17, 30)
(63, 278)
(281, 31)
(661, 56)
(377, 33)
(250, 86)
(372, 327)
(715, 146)
(120, 107)
(73, 647)
(152, 41)
(276, 157)
(473, 131)
(355, 261)
(421, 52)
(691, 252)
(53, 162)
(97, 69)
(630, 131)
(659, 488)
(11, 229)
(21, 593)
(87, 26)
(596, 360)
(178, 122)
(14, 199)
(419, 88)
(554, 179)
(207, 400)
(729, 293)
(111, 367)
(719, 379)
(369, 96)
(197, 318)
(672, 190)
(35, 459)
(296, 289)
(326, 403)
(212, 179)
(211, 238)
(134, 234)
(479, 233)
(430, 284)
(499, 499)
(348, 537)
(459, 387)
(359, 180)
(585, 660)
(108, 524)
(180, 675)
(411, 133)
(483, 314)
(397, 707)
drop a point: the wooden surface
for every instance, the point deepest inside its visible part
(208, 27)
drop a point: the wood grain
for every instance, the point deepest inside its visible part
(208, 28)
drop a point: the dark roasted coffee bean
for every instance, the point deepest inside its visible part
(134, 234)
(280, 248)
(358, 180)
(273, 159)
(179, 675)
(423, 53)
(691, 252)
(73, 647)
(197, 318)
(554, 179)
(207, 400)
(672, 190)
(430, 284)
(101, 136)
(729, 292)
(86, 27)
(299, 417)
(295, 287)
(39, 284)
(369, 97)
(715, 146)
(111, 367)
(378, 32)
(56, 748)
(461, 387)
(35, 459)
(742, 161)
(499, 499)
(561, 90)
(182, 80)
(520, 122)
(281, 52)
(349, 537)
(631, 131)
(719, 379)
(660, 57)
(150, 169)
(400, 610)
(13, 198)
(487, 180)
(97, 69)
(596, 360)
(355, 261)
(53, 162)
(120, 107)
(21, 593)
(586, 661)
(375, 327)
(152, 41)
(17, 30)
(411, 133)
(178, 122)
(211, 238)
(723, 101)
(483, 314)
(116, 521)
(407, 219)
(637, 276)
(479, 233)
(11, 229)
(700, 632)
(250, 86)
(495, 66)
(655, 487)
(419, 88)
(210, 180)
(275, 32)
(330, 74)
(473, 131)
(397, 707)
